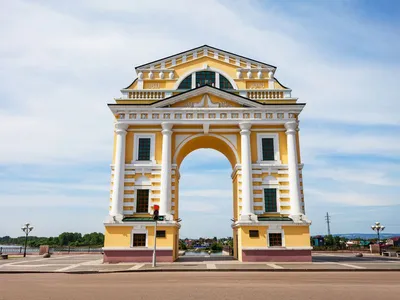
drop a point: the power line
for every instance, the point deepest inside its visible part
(328, 222)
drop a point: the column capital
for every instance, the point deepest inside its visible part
(167, 127)
(291, 127)
(245, 127)
(120, 128)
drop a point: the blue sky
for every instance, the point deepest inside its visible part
(62, 62)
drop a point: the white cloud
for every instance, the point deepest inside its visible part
(70, 60)
(53, 200)
(349, 198)
(371, 176)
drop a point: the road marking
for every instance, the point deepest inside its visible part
(274, 266)
(350, 266)
(136, 267)
(86, 263)
(46, 265)
(211, 266)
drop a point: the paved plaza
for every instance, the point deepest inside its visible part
(202, 285)
(94, 263)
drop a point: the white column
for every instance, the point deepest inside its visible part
(247, 179)
(117, 202)
(296, 211)
(165, 209)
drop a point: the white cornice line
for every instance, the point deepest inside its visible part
(205, 90)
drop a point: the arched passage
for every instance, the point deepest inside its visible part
(201, 141)
(220, 199)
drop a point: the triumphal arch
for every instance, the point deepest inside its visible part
(207, 98)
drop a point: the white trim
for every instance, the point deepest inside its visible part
(139, 231)
(222, 138)
(277, 156)
(136, 138)
(146, 185)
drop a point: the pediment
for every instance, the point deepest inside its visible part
(206, 97)
(204, 51)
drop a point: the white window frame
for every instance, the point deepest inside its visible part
(274, 230)
(277, 156)
(270, 182)
(278, 199)
(136, 198)
(139, 231)
(152, 137)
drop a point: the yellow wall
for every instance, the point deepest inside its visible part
(297, 236)
(168, 241)
(118, 236)
(248, 241)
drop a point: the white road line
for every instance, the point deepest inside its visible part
(46, 265)
(136, 267)
(86, 263)
(211, 266)
(275, 266)
(350, 266)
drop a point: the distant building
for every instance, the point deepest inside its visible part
(318, 240)
(394, 241)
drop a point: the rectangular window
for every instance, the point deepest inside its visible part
(160, 233)
(270, 200)
(275, 240)
(253, 233)
(144, 149)
(142, 201)
(268, 152)
(139, 240)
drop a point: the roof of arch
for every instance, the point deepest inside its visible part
(207, 47)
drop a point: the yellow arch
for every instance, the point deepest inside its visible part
(211, 141)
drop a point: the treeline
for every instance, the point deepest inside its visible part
(73, 239)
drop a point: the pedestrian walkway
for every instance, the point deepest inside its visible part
(93, 263)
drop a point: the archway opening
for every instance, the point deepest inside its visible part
(206, 204)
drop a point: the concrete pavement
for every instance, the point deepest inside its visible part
(195, 285)
(93, 263)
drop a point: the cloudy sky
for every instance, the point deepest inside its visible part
(61, 62)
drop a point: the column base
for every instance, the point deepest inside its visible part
(113, 219)
(248, 217)
(300, 219)
(276, 255)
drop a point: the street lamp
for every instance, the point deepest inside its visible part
(27, 229)
(378, 228)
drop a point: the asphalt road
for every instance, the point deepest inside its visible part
(191, 285)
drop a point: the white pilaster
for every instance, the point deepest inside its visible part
(117, 200)
(247, 182)
(296, 212)
(165, 194)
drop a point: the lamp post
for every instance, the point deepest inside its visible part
(378, 228)
(27, 229)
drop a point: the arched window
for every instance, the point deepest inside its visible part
(186, 83)
(224, 83)
(205, 78)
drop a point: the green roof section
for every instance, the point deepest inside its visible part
(141, 219)
(284, 219)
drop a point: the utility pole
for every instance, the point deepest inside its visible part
(328, 223)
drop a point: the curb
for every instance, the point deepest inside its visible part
(205, 270)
